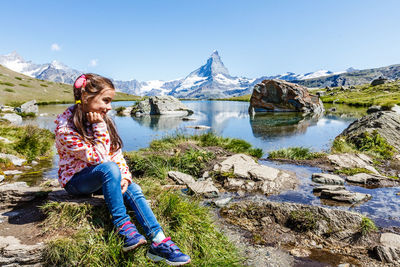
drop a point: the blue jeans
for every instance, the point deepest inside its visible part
(107, 177)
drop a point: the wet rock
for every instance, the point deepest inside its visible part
(372, 179)
(29, 107)
(199, 127)
(14, 159)
(161, 105)
(331, 223)
(318, 189)
(13, 253)
(345, 196)
(250, 176)
(325, 178)
(181, 178)
(222, 202)
(278, 95)
(373, 109)
(386, 123)
(12, 117)
(350, 161)
(205, 188)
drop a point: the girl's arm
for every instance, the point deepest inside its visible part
(119, 159)
(73, 143)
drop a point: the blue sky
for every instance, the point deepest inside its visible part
(165, 40)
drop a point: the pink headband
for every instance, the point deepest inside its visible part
(80, 82)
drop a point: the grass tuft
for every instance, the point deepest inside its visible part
(295, 153)
(367, 226)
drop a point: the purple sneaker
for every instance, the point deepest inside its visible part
(132, 238)
(169, 252)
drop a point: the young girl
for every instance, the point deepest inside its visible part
(91, 159)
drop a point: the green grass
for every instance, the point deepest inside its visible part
(385, 95)
(27, 114)
(244, 98)
(7, 83)
(93, 241)
(302, 221)
(372, 144)
(119, 110)
(28, 142)
(295, 153)
(24, 85)
(44, 85)
(9, 90)
(367, 226)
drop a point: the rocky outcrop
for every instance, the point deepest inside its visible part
(241, 173)
(161, 105)
(347, 160)
(13, 253)
(278, 95)
(17, 192)
(379, 80)
(386, 123)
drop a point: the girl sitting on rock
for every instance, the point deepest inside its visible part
(91, 159)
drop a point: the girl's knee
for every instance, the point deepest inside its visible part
(111, 169)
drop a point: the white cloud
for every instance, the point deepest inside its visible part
(55, 47)
(93, 62)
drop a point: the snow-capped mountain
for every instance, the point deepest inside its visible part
(54, 71)
(211, 80)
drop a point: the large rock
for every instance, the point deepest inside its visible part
(319, 188)
(326, 178)
(278, 95)
(12, 117)
(161, 105)
(29, 107)
(14, 253)
(16, 193)
(351, 161)
(389, 249)
(379, 80)
(245, 174)
(205, 188)
(372, 180)
(386, 123)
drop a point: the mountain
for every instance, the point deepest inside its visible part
(211, 80)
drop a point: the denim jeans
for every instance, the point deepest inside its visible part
(107, 177)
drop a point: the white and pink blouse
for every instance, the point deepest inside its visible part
(76, 154)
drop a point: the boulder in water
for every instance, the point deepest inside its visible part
(161, 105)
(278, 95)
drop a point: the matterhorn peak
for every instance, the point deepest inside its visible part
(212, 67)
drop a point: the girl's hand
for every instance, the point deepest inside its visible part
(94, 117)
(124, 185)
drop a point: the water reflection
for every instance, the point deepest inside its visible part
(159, 123)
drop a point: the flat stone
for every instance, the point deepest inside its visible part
(181, 178)
(345, 196)
(262, 173)
(13, 193)
(326, 178)
(14, 159)
(14, 253)
(372, 179)
(1, 178)
(205, 188)
(318, 189)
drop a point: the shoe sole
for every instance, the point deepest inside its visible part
(158, 258)
(141, 242)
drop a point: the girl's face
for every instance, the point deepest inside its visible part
(101, 103)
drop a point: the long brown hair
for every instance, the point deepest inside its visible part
(94, 85)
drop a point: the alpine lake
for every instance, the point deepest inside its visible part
(268, 131)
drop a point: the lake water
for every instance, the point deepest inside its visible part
(266, 131)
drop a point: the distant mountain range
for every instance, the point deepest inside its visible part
(211, 80)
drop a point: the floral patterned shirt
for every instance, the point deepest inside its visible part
(76, 154)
